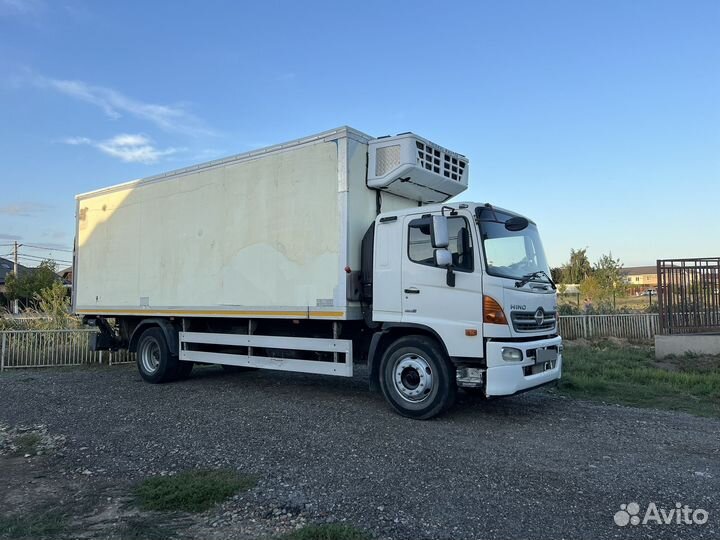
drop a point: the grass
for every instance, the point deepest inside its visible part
(33, 524)
(27, 443)
(326, 532)
(630, 375)
(190, 491)
(143, 529)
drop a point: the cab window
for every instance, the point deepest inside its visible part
(420, 249)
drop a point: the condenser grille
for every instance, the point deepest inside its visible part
(387, 159)
(435, 160)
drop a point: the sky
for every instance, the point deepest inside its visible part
(599, 120)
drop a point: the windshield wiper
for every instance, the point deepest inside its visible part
(529, 277)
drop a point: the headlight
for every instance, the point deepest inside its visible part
(510, 354)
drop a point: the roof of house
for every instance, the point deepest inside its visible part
(638, 270)
(6, 266)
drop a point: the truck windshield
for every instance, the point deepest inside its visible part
(512, 254)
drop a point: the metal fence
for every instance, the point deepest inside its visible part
(689, 295)
(46, 348)
(641, 326)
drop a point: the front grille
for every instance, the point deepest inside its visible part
(526, 321)
(435, 159)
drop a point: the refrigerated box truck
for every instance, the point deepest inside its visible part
(317, 254)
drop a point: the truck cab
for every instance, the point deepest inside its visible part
(476, 280)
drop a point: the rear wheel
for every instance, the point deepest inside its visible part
(155, 363)
(417, 378)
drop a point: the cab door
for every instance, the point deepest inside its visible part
(454, 313)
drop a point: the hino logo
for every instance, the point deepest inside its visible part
(519, 307)
(539, 316)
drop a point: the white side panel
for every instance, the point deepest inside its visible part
(387, 271)
(361, 203)
(264, 232)
(339, 346)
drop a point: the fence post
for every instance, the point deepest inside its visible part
(585, 329)
(2, 353)
(649, 331)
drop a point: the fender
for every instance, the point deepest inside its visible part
(172, 337)
(386, 328)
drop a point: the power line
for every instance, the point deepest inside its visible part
(33, 257)
(41, 259)
(49, 248)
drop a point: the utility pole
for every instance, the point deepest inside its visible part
(15, 271)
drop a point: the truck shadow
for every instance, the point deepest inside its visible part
(333, 390)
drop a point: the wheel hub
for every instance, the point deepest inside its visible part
(413, 377)
(150, 356)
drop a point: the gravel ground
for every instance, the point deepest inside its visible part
(532, 466)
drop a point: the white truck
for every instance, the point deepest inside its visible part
(314, 255)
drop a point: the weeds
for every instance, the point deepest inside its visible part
(191, 491)
(33, 524)
(326, 532)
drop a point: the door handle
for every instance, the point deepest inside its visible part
(412, 290)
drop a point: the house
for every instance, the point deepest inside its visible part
(6, 267)
(66, 275)
(640, 278)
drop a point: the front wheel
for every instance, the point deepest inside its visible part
(417, 378)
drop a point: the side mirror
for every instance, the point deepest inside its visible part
(443, 259)
(439, 237)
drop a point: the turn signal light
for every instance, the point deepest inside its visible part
(492, 312)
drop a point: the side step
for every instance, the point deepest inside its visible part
(337, 346)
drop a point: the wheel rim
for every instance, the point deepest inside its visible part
(413, 378)
(150, 355)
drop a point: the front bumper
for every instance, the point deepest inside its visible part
(507, 378)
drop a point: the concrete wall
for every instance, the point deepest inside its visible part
(679, 345)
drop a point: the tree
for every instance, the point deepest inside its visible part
(590, 289)
(578, 268)
(54, 303)
(31, 282)
(605, 283)
(608, 272)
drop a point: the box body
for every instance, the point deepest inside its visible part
(268, 233)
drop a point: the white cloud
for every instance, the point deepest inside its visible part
(114, 104)
(20, 7)
(76, 140)
(128, 147)
(24, 209)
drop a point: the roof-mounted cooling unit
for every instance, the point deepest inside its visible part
(415, 168)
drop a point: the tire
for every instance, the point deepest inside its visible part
(154, 361)
(417, 378)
